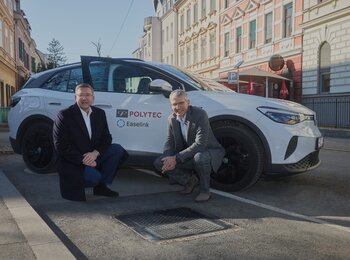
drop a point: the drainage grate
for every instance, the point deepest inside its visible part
(172, 224)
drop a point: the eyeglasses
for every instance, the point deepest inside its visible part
(84, 95)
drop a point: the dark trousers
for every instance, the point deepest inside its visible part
(106, 167)
(200, 164)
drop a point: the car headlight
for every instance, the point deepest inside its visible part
(284, 116)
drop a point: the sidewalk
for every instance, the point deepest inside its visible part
(5, 146)
(23, 233)
(22, 229)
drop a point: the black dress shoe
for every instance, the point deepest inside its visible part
(191, 184)
(102, 190)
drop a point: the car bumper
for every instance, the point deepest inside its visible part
(309, 162)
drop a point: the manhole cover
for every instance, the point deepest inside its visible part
(172, 224)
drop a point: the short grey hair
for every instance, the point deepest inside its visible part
(179, 93)
(84, 85)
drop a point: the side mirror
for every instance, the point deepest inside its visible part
(160, 86)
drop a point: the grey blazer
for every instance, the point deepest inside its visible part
(200, 137)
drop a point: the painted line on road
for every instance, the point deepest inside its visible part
(278, 210)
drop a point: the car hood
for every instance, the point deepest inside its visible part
(232, 100)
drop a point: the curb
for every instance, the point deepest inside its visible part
(42, 240)
(335, 132)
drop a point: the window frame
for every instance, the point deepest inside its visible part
(239, 39)
(226, 44)
(204, 8)
(287, 20)
(252, 35)
(324, 68)
(267, 26)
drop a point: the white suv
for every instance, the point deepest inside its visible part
(260, 135)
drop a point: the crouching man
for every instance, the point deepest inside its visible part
(86, 155)
(191, 150)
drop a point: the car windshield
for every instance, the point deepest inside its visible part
(198, 81)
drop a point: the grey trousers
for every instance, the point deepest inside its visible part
(200, 164)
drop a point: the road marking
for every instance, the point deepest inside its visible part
(282, 211)
(150, 172)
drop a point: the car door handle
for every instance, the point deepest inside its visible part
(103, 105)
(55, 103)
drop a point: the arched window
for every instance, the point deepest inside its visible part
(324, 67)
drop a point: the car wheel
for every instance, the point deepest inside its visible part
(244, 158)
(37, 148)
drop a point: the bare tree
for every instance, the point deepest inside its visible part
(98, 46)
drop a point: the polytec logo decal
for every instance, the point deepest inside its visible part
(125, 113)
(122, 113)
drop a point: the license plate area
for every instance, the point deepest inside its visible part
(319, 143)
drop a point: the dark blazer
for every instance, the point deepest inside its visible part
(71, 140)
(200, 137)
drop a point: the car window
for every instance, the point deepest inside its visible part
(99, 74)
(76, 77)
(128, 79)
(136, 79)
(58, 82)
(125, 78)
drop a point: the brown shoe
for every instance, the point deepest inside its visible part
(203, 197)
(189, 187)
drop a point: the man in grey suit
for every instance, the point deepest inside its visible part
(191, 148)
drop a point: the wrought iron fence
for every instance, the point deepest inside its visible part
(3, 114)
(331, 111)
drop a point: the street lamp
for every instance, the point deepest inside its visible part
(237, 67)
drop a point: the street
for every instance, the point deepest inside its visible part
(299, 217)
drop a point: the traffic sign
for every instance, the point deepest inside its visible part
(232, 78)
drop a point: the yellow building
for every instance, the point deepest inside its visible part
(7, 53)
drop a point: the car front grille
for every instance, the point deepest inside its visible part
(308, 162)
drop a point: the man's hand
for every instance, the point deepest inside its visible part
(169, 163)
(89, 159)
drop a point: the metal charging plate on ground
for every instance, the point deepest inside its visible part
(169, 224)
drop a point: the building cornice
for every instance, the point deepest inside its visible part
(326, 18)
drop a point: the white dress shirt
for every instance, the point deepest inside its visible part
(86, 116)
(184, 126)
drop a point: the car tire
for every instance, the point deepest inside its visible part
(38, 150)
(244, 158)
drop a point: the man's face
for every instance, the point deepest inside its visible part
(84, 98)
(179, 105)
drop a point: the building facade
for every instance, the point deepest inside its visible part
(326, 60)
(151, 48)
(198, 35)
(27, 59)
(7, 53)
(168, 19)
(252, 31)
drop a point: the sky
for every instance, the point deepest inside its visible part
(78, 23)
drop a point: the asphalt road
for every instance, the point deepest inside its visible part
(301, 217)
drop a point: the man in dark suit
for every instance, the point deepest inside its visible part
(86, 155)
(190, 146)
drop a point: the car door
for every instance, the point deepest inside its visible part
(137, 118)
(58, 91)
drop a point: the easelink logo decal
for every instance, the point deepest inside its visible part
(139, 115)
(120, 123)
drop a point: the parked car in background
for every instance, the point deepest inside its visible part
(260, 135)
